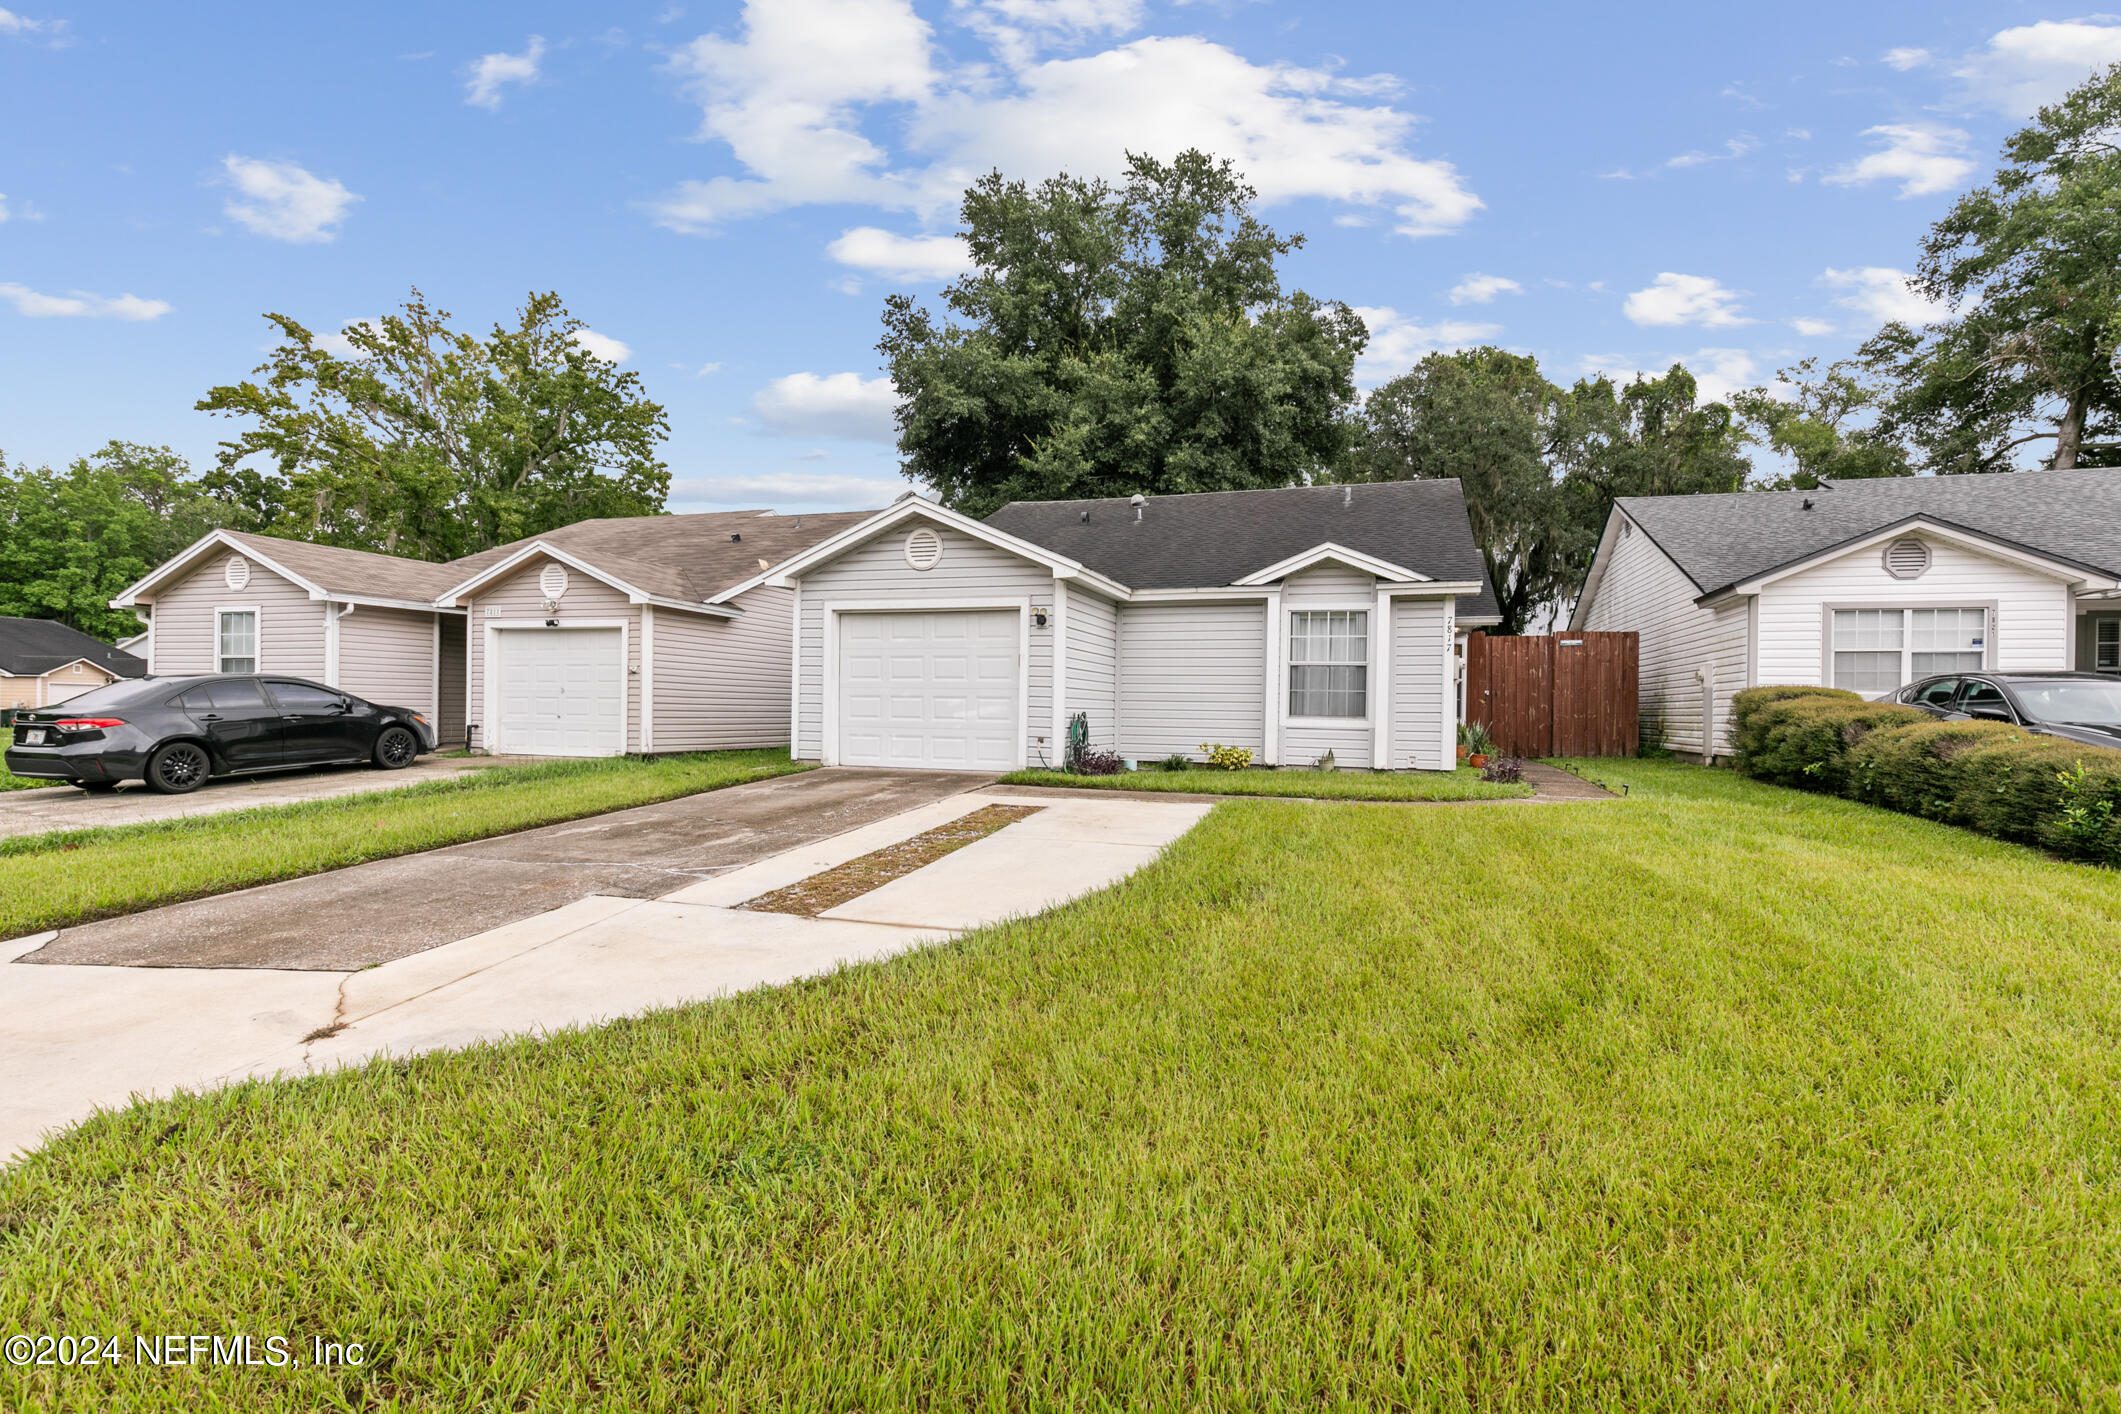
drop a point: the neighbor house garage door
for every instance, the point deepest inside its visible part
(936, 690)
(562, 691)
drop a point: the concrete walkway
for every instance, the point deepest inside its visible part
(79, 1038)
(33, 812)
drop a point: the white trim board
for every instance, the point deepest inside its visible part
(829, 674)
(1353, 559)
(490, 731)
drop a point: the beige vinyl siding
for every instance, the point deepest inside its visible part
(2032, 623)
(1093, 664)
(1423, 690)
(876, 572)
(1304, 741)
(290, 623)
(721, 684)
(1191, 673)
(449, 719)
(518, 598)
(53, 687)
(1644, 592)
(388, 657)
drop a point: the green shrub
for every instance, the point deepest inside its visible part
(1227, 758)
(2000, 780)
(1801, 736)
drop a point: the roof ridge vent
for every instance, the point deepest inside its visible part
(1137, 500)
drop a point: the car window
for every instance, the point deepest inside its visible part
(1935, 694)
(2066, 700)
(117, 694)
(301, 697)
(227, 695)
(1984, 695)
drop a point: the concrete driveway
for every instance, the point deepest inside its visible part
(393, 908)
(33, 812)
(84, 1037)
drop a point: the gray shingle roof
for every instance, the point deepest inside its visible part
(1722, 540)
(1211, 539)
(30, 647)
(688, 557)
(358, 572)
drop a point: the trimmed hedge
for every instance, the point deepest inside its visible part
(1990, 777)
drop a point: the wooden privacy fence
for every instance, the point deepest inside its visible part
(1569, 694)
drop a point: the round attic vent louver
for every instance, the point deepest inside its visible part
(553, 581)
(236, 573)
(924, 549)
(1907, 559)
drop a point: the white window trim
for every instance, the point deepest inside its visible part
(1353, 606)
(829, 713)
(490, 732)
(1989, 633)
(257, 634)
(2106, 621)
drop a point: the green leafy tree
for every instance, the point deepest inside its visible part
(425, 441)
(2030, 268)
(1825, 423)
(70, 541)
(1113, 341)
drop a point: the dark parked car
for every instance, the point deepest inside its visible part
(2082, 707)
(174, 733)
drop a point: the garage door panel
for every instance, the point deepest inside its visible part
(562, 691)
(950, 689)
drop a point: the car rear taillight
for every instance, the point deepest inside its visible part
(87, 724)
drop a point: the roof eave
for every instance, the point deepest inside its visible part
(2072, 572)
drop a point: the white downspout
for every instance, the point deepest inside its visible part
(331, 640)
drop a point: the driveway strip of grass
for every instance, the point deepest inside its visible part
(75, 876)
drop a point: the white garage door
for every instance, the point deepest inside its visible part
(563, 691)
(935, 690)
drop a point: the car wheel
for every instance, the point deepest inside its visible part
(395, 748)
(178, 768)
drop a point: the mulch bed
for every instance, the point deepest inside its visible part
(874, 870)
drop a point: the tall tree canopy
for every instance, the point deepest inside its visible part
(1541, 466)
(2030, 268)
(425, 441)
(1825, 423)
(1113, 341)
(73, 539)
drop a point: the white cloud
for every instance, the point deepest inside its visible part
(1812, 328)
(601, 346)
(483, 80)
(1684, 299)
(706, 368)
(832, 405)
(1018, 29)
(2030, 65)
(899, 257)
(1922, 157)
(14, 26)
(79, 304)
(1480, 289)
(338, 345)
(1733, 148)
(281, 200)
(1905, 59)
(802, 97)
(1397, 342)
(824, 490)
(1718, 373)
(26, 211)
(1882, 293)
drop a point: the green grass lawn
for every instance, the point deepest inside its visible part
(1716, 1097)
(51, 880)
(9, 781)
(1460, 784)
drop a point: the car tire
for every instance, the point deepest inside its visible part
(178, 768)
(396, 748)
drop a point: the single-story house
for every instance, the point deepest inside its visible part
(648, 633)
(42, 663)
(1294, 622)
(1865, 585)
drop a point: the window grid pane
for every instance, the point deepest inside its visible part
(1329, 650)
(238, 643)
(2107, 653)
(1876, 650)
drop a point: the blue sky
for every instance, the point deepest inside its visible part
(725, 193)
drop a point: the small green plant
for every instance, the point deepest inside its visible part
(1227, 758)
(1176, 761)
(1504, 770)
(1325, 762)
(1476, 738)
(2085, 819)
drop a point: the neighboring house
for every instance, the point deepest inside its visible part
(42, 663)
(1861, 584)
(581, 625)
(1291, 622)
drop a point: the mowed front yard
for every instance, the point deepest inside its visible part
(1719, 1096)
(1464, 783)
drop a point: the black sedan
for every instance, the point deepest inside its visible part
(2083, 707)
(175, 733)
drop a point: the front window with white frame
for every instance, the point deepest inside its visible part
(1329, 656)
(236, 641)
(1878, 650)
(2106, 645)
